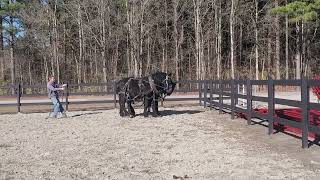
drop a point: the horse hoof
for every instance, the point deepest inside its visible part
(131, 116)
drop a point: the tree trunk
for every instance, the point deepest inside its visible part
(134, 42)
(263, 69)
(141, 37)
(232, 14)
(80, 44)
(277, 57)
(198, 43)
(208, 60)
(29, 72)
(269, 54)
(256, 40)
(298, 52)
(91, 74)
(175, 38)
(164, 66)
(128, 36)
(12, 60)
(46, 68)
(181, 62)
(148, 68)
(103, 41)
(55, 40)
(287, 46)
(303, 44)
(116, 59)
(202, 59)
(65, 66)
(96, 74)
(240, 42)
(218, 25)
(141, 40)
(2, 64)
(84, 57)
(189, 67)
(308, 71)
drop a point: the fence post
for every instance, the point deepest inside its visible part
(67, 97)
(200, 93)
(232, 97)
(305, 111)
(249, 102)
(114, 95)
(211, 93)
(237, 92)
(205, 94)
(270, 104)
(19, 97)
(220, 96)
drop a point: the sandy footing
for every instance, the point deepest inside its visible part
(189, 142)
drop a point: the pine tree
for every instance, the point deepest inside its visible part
(304, 10)
(301, 12)
(12, 26)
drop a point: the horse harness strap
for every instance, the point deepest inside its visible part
(152, 85)
(151, 82)
(125, 90)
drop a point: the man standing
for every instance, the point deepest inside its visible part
(53, 93)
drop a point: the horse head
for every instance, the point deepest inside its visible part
(164, 82)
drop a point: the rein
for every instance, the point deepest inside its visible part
(153, 87)
(153, 84)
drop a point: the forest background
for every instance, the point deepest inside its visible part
(83, 41)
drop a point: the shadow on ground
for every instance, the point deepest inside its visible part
(84, 114)
(280, 129)
(173, 112)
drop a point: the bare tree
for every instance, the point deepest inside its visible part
(277, 53)
(298, 51)
(232, 22)
(256, 38)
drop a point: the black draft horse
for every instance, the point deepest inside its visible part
(148, 89)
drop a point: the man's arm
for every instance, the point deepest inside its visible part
(51, 88)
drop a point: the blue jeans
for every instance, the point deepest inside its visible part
(57, 106)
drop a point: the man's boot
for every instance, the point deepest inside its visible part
(53, 115)
(64, 115)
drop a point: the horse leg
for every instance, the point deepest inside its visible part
(132, 113)
(146, 106)
(155, 110)
(122, 103)
(149, 105)
(156, 107)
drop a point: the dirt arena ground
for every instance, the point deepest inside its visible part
(186, 143)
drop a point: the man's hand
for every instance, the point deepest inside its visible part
(62, 88)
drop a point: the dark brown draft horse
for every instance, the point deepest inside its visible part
(148, 89)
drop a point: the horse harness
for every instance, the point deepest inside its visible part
(153, 88)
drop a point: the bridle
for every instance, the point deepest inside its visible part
(165, 84)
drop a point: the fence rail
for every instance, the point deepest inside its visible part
(18, 90)
(217, 88)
